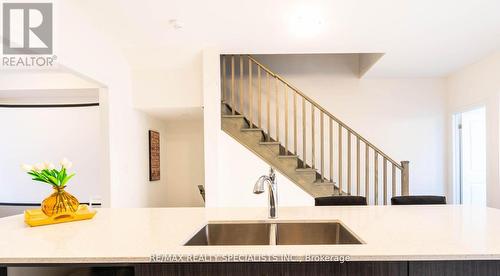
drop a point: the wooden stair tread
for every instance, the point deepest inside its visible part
(269, 143)
(307, 170)
(325, 182)
(251, 129)
(288, 156)
(233, 116)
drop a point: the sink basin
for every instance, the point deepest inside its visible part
(232, 234)
(280, 233)
(314, 233)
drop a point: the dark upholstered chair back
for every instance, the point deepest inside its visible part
(340, 200)
(418, 200)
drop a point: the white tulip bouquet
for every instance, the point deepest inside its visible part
(46, 172)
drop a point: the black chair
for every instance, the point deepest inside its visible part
(418, 200)
(340, 200)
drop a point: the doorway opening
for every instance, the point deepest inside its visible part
(469, 154)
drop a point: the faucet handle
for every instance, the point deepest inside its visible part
(271, 172)
(258, 188)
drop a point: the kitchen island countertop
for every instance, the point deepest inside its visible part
(389, 233)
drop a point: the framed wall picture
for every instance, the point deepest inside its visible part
(154, 155)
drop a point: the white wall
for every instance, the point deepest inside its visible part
(94, 55)
(152, 193)
(183, 161)
(18, 79)
(49, 134)
(171, 89)
(211, 123)
(475, 85)
(173, 81)
(239, 170)
(51, 96)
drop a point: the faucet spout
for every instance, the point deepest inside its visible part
(273, 191)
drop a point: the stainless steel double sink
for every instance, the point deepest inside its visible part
(271, 233)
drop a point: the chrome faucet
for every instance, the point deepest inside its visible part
(273, 191)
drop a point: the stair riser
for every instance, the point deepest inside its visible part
(257, 135)
(273, 148)
(225, 110)
(308, 176)
(289, 162)
(236, 123)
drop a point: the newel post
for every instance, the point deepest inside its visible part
(405, 178)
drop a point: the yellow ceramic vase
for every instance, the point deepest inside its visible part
(59, 202)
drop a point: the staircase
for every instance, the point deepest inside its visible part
(301, 139)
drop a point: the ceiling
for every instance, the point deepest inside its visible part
(175, 114)
(420, 38)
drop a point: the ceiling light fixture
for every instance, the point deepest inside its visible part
(176, 24)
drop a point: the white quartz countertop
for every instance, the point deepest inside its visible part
(440, 232)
